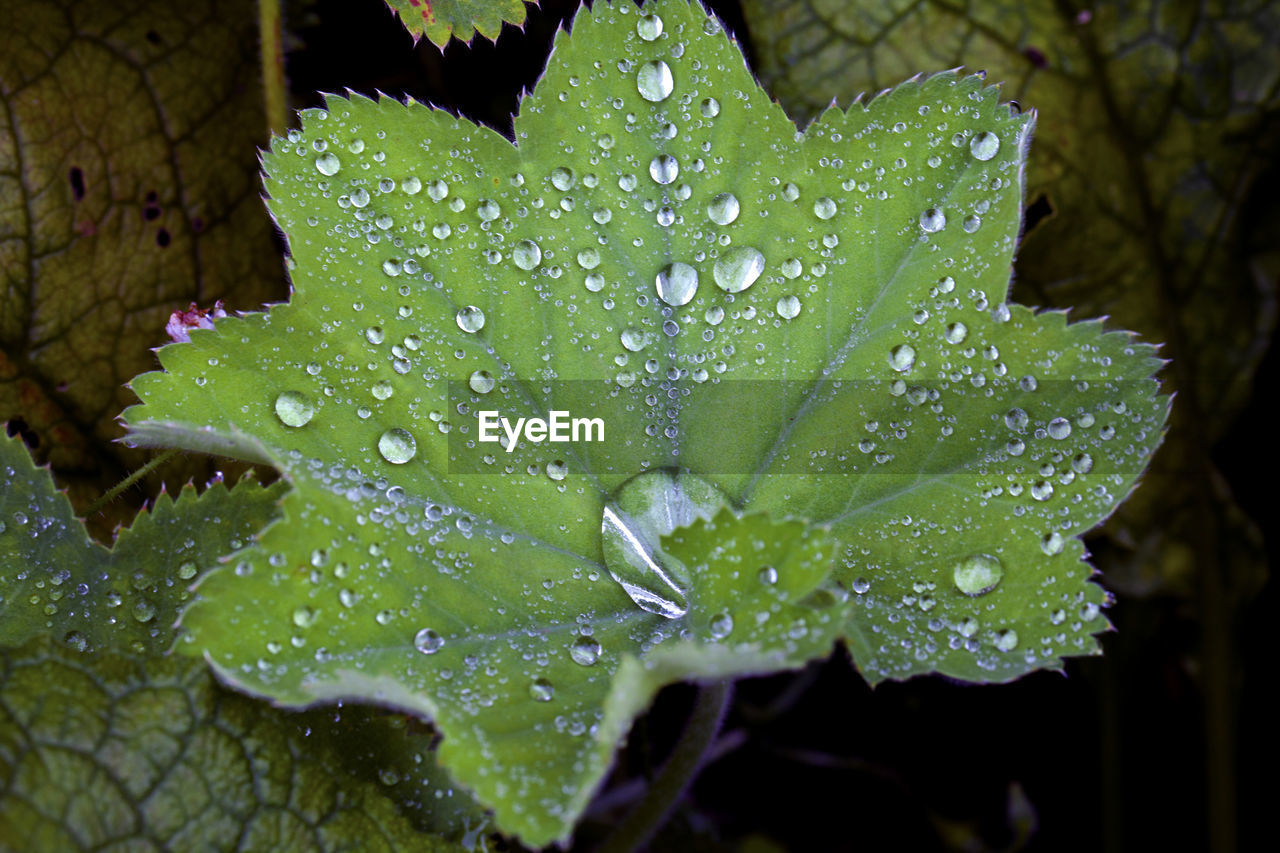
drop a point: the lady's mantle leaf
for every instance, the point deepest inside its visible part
(439, 20)
(104, 741)
(809, 325)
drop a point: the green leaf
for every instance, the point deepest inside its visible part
(790, 326)
(103, 740)
(440, 20)
(127, 192)
(105, 750)
(1156, 126)
(55, 579)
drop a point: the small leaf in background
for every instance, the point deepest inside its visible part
(127, 192)
(809, 327)
(440, 20)
(105, 740)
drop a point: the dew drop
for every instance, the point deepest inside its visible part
(932, 220)
(557, 470)
(1017, 420)
(902, 357)
(585, 651)
(977, 574)
(788, 307)
(526, 255)
(984, 146)
(411, 185)
(956, 333)
(738, 269)
(294, 409)
(542, 690)
(1042, 490)
(470, 319)
(649, 27)
(664, 168)
(710, 108)
(328, 164)
(563, 178)
(382, 390)
(428, 641)
(654, 81)
(488, 210)
(632, 339)
(481, 382)
(1053, 543)
(437, 190)
(677, 283)
(721, 626)
(824, 208)
(397, 445)
(723, 209)
(1059, 428)
(1006, 640)
(1082, 463)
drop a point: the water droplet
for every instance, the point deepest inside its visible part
(1042, 490)
(767, 575)
(1082, 463)
(790, 191)
(397, 445)
(588, 259)
(984, 146)
(437, 190)
(932, 220)
(488, 210)
(646, 508)
(470, 319)
(187, 570)
(143, 610)
(1053, 543)
(557, 470)
(481, 382)
(428, 641)
(594, 282)
(294, 409)
(977, 574)
(723, 209)
(563, 178)
(1017, 420)
(585, 651)
(902, 357)
(542, 690)
(1059, 428)
(664, 168)
(956, 333)
(328, 164)
(824, 208)
(721, 626)
(374, 335)
(649, 27)
(788, 307)
(677, 283)
(633, 339)
(1006, 640)
(792, 268)
(738, 269)
(359, 198)
(76, 641)
(654, 81)
(710, 108)
(411, 185)
(526, 254)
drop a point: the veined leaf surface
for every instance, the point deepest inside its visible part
(791, 325)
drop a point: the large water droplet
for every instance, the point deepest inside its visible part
(470, 319)
(902, 357)
(649, 27)
(427, 641)
(294, 409)
(482, 381)
(526, 254)
(646, 508)
(933, 220)
(585, 651)
(788, 307)
(977, 574)
(1059, 428)
(397, 445)
(824, 208)
(437, 190)
(984, 146)
(654, 81)
(563, 178)
(328, 164)
(738, 269)
(633, 339)
(664, 168)
(1006, 640)
(723, 209)
(677, 283)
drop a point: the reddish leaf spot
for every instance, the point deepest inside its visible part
(182, 322)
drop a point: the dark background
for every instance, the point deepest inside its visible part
(1110, 756)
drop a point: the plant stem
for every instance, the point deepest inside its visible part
(273, 87)
(129, 481)
(673, 779)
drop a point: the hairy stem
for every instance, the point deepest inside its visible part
(673, 779)
(274, 93)
(129, 481)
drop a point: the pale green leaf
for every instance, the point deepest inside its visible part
(440, 20)
(845, 357)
